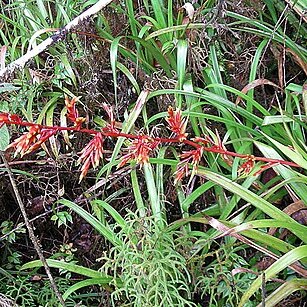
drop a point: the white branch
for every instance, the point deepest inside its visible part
(21, 62)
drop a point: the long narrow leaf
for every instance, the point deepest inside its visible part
(284, 291)
(154, 199)
(78, 269)
(252, 198)
(102, 281)
(115, 215)
(282, 263)
(101, 228)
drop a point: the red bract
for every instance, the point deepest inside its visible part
(247, 166)
(91, 154)
(193, 157)
(176, 123)
(7, 118)
(26, 141)
(205, 141)
(72, 112)
(4, 119)
(139, 150)
(31, 140)
(110, 126)
(181, 172)
(43, 136)
(221, 147)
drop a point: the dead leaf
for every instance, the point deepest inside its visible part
(298, 60)
(216, 224)
(189, 9)
(254, 84)
(280, 57)
(291, 210)
(2, 57)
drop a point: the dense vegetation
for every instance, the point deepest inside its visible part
(157, 149)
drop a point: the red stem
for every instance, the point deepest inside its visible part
(116, 134)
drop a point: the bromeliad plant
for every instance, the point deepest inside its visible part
(141, 146)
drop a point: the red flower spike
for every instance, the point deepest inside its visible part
(204, 141)
(220, 146)
(91, 154)
(181, 172)
(44, 135)
(139, 150)
(247, 166)
(141, 145)
(110, 126)
(176, 123)
(72, 112)
(24, 143)
(7, 118)
(193, 157)
(3, 119)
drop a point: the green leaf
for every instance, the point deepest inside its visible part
(279, 119)
(291, 154)
(129, 75)
(182, 51)
(8, 87)
(271, 223)
(154, 199)
(131, 16)
(65, 61)
(102, 281)
(101, 228)
(74, 268)
(282, 263)
(254, 199)
(284, 291)
(174, 29)
(137, 193)
(116, 216)
(195, 194)
(4, 137)
(17, 171)
(113, 61)
(299, 188)
(216, 100)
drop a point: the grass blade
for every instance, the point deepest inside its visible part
(282, 263)
(101, 228)
(284, 291)
(252, 198)
(65, 266)
(102, 281)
